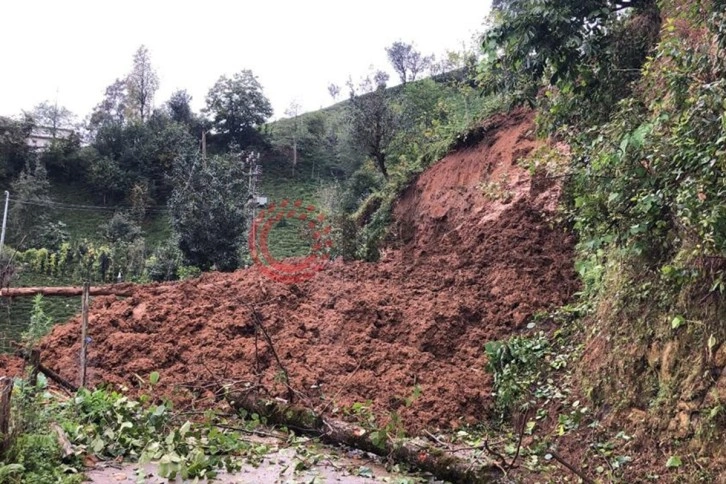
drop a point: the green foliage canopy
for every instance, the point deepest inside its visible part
(207, 208)
(237, 107)
(593, 46)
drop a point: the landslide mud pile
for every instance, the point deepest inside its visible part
(460, 269)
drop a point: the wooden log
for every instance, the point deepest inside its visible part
(416, 453)
(110, 290)
(25, 354)
(57, 378)
(6, 389)
(63, 441)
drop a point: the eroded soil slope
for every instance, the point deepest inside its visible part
(472, 255)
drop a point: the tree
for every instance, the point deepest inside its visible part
(180, 109)
(52, 116)
(293, 131)
(320, 148)
(237, 107)
(577, 43)
(142, 84)
(373, 121)
(14, 150)
(407, 61)
(457, 61)
(114, 107)
(105, 177)
(61, 157)
(207, 207)
(121, 228)
(29, 213)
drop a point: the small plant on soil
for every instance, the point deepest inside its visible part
(40, 323)
(34, 454)
(497, 190)
(379, 434)
(549, 160)
(515, 365)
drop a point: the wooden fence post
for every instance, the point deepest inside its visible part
(84, 331)
(34, 362)
(6, 389)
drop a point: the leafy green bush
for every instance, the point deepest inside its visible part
(34, 454)
(121, 228)
(40, 323)
(53, 235)
(111, 425)
(208, 210)
(516, 365)
(164, 263)
(39, 456)
(88, 261)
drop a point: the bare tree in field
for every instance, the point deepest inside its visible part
(407, 61)
(142, 84)
(293, 112)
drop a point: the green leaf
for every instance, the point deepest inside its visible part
(624, 145)
(97, 445)
(154, 377)
(674, 462)
(677, 322)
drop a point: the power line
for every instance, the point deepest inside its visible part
(87, 208)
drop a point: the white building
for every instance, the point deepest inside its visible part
(42, 136)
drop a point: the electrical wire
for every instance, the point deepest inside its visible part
(80, 207)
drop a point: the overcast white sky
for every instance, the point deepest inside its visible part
(296, 48)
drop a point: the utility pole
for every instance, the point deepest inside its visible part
(5, 221)
(254, 173)
(55, 115)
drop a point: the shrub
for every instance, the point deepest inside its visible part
(165, 263)
(208, 210)
(121, 228)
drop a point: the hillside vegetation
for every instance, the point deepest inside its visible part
(115, 197)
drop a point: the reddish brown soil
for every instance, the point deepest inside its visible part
(11, 366)
(460, 270)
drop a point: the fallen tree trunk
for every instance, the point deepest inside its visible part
(110, 290)
(32, 357)
(57, 378)
(416, 453)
